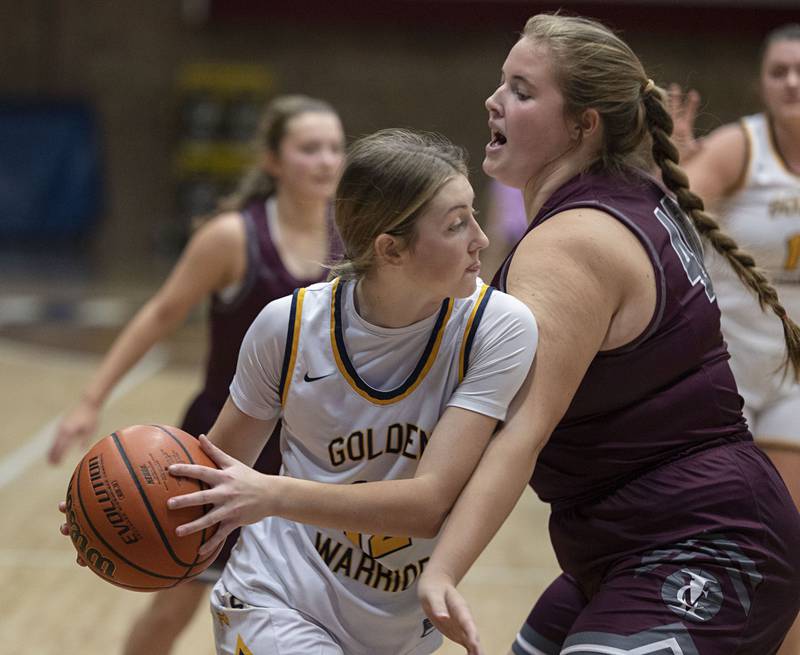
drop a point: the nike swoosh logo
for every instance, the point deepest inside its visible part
(307, 378)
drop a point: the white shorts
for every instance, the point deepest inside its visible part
(277, 573)
(241, 629)
(756, 344)
(771, 399)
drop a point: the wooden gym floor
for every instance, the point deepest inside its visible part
(53, 328)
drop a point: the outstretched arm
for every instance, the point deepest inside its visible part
(212, 259)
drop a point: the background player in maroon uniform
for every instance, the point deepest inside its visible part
(675, 533)
(271, 237)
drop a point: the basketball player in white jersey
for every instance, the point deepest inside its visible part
(396, 373)
(750, 171)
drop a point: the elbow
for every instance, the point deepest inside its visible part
(431, 521)
(426, 508)
(167, 314)
(427, 531)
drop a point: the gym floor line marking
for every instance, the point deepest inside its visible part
(21, 352)
(26, 309)
(33, 449)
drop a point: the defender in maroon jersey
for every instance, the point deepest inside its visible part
(675, 533)
(653, 460)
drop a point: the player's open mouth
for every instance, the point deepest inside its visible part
(498, 139)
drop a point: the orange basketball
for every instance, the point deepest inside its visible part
(117, 508)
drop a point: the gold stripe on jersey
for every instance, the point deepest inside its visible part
(746, 174)
(292, 341)
(776, 151)
(471, 329)
(349, 372)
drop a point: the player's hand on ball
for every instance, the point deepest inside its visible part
(448, 610)
(117, 514)
(236, 492)
(64, 529)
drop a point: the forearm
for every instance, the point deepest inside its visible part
(150, 325)
(411, 507)
(408, 507)
(389, 507)
(485, 503)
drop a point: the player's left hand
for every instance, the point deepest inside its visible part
(448, 610)
(64, 529)
(236, 492)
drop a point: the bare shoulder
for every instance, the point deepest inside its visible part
(586, 237)
(227, 227)
(216, 252)
(579, 252)
(222, 237)
(574, 271)
(584, 270)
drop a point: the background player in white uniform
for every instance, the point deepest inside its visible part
(750, 170)
(396, 372)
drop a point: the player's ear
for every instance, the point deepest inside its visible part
(588, 124)
(388, 249)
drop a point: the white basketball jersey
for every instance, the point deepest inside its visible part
(764, 219)
(359, 403)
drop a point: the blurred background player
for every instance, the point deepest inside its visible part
(674, 532)
(274, 234)
(749, 172)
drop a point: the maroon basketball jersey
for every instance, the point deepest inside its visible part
(665, 394)
(265, 280)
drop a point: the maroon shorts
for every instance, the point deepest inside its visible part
(698, 557)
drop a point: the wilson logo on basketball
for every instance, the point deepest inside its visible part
(105, 501)
(92, 556)
(120, 523)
